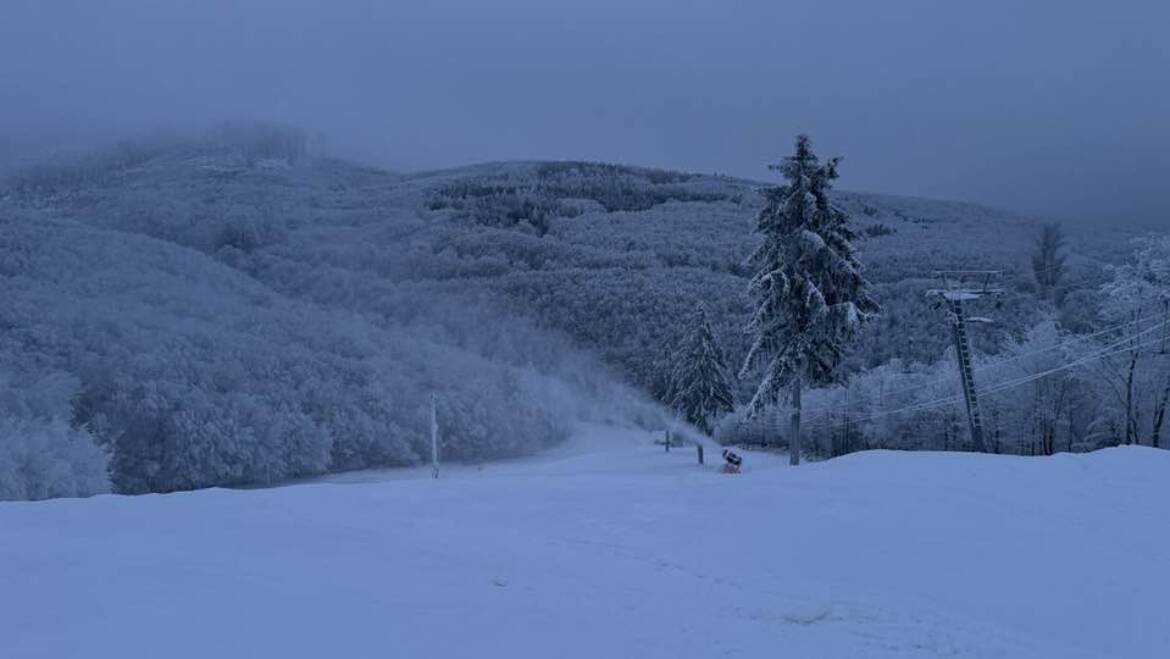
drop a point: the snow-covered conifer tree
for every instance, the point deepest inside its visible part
(808, 286)
(1048, 260)
(700, 390)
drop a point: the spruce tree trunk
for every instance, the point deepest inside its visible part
(794, 439)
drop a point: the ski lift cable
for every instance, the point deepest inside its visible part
(1078, 362)
(1107, 351)
(986, 367)
(994, 389)
(1062, 344)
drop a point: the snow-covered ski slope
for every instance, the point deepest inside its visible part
(607, 547)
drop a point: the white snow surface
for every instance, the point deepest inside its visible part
(609, 547)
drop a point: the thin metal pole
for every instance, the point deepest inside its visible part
(434, 435)
(794, 440)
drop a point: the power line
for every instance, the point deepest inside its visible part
(1073, 364)
(1106, 351)
(983, 367)
(1062, 344)
(1102, 353)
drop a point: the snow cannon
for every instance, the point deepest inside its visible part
(731, 462)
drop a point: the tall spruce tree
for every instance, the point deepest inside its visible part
(809, 290)
(1048, 260)
(700, 390)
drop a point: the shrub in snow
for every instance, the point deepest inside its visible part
(41, 459)
(41, 456)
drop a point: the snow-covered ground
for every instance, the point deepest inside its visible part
(607, 547)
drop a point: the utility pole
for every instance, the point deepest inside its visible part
(794, 440)
(434, 435)
(958, 288)
(844, 447)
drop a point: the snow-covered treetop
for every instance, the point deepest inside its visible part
(700, 389)
(1144, 281)
(809, 289)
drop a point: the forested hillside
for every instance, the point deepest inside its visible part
(236, 309)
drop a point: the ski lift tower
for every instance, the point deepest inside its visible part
(957, 287)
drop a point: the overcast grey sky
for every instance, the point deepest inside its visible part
(1054, 106)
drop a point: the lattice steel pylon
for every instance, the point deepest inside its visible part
(959, 287)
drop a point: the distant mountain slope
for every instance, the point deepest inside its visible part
(614, 256)
(194, 374)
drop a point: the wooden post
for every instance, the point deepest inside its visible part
(700, 448)
(667, 442)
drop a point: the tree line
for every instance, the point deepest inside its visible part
(1078, 380)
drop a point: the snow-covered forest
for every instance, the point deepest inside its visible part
(238, 308)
